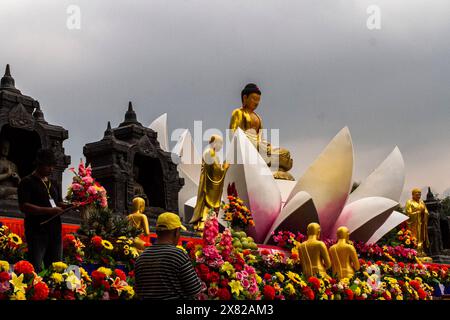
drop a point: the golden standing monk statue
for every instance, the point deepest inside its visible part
(250, 122)
(313, 253)
(344, 259)
(417, 212)
(210, 187)
(139, 220)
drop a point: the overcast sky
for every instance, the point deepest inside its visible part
(318, 65)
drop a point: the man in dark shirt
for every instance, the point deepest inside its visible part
(163, 271)
(39, 200)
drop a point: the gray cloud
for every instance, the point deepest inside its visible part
(318, 65)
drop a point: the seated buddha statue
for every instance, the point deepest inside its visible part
(250, 122)
(9, 177)
(139, 220)
(344, 259)
(210, 187)
(281, 161)
(418, 215)
(313, 253)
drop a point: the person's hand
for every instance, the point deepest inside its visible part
(226, 165)
(57, 210)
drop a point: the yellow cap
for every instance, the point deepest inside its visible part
(169, 221)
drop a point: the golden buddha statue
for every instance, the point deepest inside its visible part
(313, 253)
(418, 214)
(251, 123)
(139, 220)
(344, 259)
(210, 187)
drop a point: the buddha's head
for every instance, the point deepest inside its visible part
(313, 229)
(216, 142)
(343, 233)
(285, 160)
(416, 194)
(250, 96)
(138, 205)
(4, 147)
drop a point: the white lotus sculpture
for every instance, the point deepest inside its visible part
(322, 194)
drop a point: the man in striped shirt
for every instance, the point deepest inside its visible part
(163, 271)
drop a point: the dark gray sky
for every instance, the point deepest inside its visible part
(319, 67)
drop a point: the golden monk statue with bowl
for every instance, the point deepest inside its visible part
(139, 220)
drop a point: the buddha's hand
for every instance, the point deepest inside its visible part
(225, 165)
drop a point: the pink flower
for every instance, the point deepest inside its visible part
(4, 286)
(202, 296)
(253, 289)
(239, 276)
(91, 190)
(212, 292)
(245, 283)
(87, 180)
(105, 295)
(76, 187)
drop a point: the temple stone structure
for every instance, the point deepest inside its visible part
(129, 162)
(23, 131)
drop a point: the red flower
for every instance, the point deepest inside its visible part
(267, 277)
(269, 292)
(203, 272)
(68, 240)
(98, 276)
(131, 274)
(69, 295)
(23, 267)
(214, 277)
(265, 252)
(349, 294)
(40, 291)
(309, 294)
(422, 294)
(401, 264)
(97, 241)
(379, 263)
(391, 264)
(121, 274)
(224, 294)
(315, 282)
(56, 294)
(4, 276)
(224, 283)
(415, 284)
(386, 296)
(106, 285)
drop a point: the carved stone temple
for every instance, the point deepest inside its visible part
(129, 162)
(23, 131)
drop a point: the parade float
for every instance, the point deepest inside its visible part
(252, 225)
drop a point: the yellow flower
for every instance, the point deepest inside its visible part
(72, 281)
(126, 252)
(107, 245)
(18, 295)
(17, 282)
(85, 275)
(104, 270)
(134, 252)
(258, 279)
(228, 268)
(279, 276)
(57, 277)
(399, 297)
(358, 291)
(59, 266)
(15, 239)
(129, 291)
(324, 296)
(408, 242)
(4, 265)
(181, 247)
(290, 289)
(235, 286)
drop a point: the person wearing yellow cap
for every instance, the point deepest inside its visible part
(163, 271)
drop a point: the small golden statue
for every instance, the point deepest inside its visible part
(313, 253)
(344, 259)
(139, 220)
(210, 187)
(418, 214)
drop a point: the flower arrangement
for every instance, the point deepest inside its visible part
(11, 245)
(236, 213)
(73, 249)
(84, 190)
